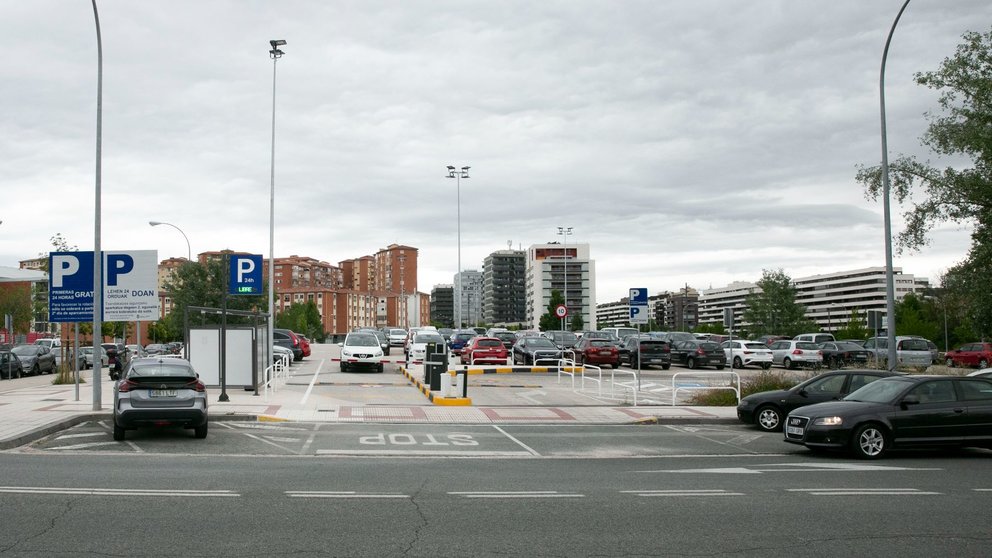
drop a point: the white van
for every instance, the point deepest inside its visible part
(815, 337)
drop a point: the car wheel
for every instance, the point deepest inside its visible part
(984, 363)
(344, 367)
(766, 365)
(738, 363)
(769, 418)
(950, 363)
(36, 370)
(691, 363)
(379, 368)
(721, 366)
(118, 432)
(200, 431)
(869, 442)
(666, 366)
(787, 363)
(615, 365)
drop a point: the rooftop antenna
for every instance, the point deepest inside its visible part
(509, 245)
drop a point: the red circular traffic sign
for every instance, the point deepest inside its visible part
(561, 311)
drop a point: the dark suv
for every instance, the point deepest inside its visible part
(288, 339)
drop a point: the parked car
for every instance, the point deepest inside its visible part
(790, 353)
(484, 350)
(419, 342)
(54, 344)
(412, 334)
(619, 333)
(535, 350)
(379, 334)
(506, 337)
(446, 332)
(288, 339)
(767, 408)
(10, 366)
(278, 351)
(361, 349)
(562, 339)
(646, 350)
(815, 337)
(459, 339)
(155, 349)
(898, 412)
(304, 344)
(769, 339)
(970, 354)
(396, 336)
(910, 351)
(842, 353)
(598, 351)
(86, 359)
(673, 336)
(982, 373)
(160, 391)
(696, 353)
(35, 359)
(746, 353)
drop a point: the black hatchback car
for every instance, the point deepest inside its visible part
(697, 352)
(642, 351)
(767, 409)
(899, 412)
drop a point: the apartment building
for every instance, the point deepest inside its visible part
(504, 293)
(565, 268)
(469, 284)
(443, 305)
(395, 269)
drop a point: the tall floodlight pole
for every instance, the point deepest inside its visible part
(458, 175)
(275, 54)
(97, 258)
(189, 251)
(565, 232)
(890, 291)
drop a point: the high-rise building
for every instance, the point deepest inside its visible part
(569, 270)
(469, 283)
(504, 291)
(443, 305)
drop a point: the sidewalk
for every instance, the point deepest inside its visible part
(31, 408)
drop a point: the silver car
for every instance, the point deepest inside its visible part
(159, 391)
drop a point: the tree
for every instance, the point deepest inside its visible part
(15, 299)
(959, 195)
(577, 323)
(715, 327)
(302, 318)
(549, 321)
(774, 310)
(855, 328)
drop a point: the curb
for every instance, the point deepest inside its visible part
(437, 399)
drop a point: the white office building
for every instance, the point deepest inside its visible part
(565, 268)
(470, 285)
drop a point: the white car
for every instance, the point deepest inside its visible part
(791, 353)
(419, 342)
(278, 352)
(361, 349)
(747, 353)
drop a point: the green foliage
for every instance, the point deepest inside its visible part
(912, 320)
(302, 318)
(716, 328)
(774, 310)
(15, 299)
(548, 320)
(856, 327)
(955, 194)
(577, 322)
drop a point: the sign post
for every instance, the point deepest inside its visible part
(561, 311)
(244, 277)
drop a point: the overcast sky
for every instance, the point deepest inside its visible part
(687, 142)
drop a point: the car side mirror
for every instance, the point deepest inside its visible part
(803, 393)
(340, 344)
(909, 400)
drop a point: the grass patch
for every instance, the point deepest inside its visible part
(766, 380)
(66, 376)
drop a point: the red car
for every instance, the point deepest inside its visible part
(484, 350)
(304, 344)
(596, 351)
(971, 354)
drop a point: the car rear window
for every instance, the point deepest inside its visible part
(807, 346)
(490, 343)
(709, 346)
(755, 346)
(913, 345)
(600, 343)
(162, 370)
(428, 338)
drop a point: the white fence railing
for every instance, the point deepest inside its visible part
(278, 369)
(734, 378)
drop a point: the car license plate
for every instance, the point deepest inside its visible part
(605, 353)
(164, 393)
(794, 430)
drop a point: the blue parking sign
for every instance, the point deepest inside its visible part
(245, 274)
(70, 292)
(638, 297)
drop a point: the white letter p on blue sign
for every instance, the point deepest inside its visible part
(245, 267)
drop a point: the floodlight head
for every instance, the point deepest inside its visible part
(451, 168)
(154, 223)
(277, 43)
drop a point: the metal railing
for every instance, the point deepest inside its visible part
(278, 369)
(734, 377)
(632, 385)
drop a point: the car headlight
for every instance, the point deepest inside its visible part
(744, 403)
(346, 353)
(377, 353)
(829, 421)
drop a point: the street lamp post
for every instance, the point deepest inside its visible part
(458, 175)
(275, 54)
(189, 252)
(890, 294)
(97, 254)
(565, 232)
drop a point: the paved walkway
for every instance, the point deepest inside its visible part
(33, 407)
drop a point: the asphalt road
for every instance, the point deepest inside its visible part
(707, 490)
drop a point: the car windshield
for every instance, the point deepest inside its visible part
(25, 350)
(365, 340)
(397, 332)
(881, 391)
(424, 338)
(540, 343)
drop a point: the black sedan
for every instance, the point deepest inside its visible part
(10, 366)
(697, 352)
(843, 353)
(899, 412)
(644, 350)
(767, 409)
(535, 350)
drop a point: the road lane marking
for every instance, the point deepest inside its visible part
(521, 444)
(117, 492)
(83, 435)
(796, 467)
(344, 495)
(85, 446)
(423, 453)
(517, 494)
(264, 441)
(313, 380)
(649, 493)
(309, 442)
(863, 491)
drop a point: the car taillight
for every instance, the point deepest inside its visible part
(797, 351)
(700, 351)
(197, 385)
(126, 386)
